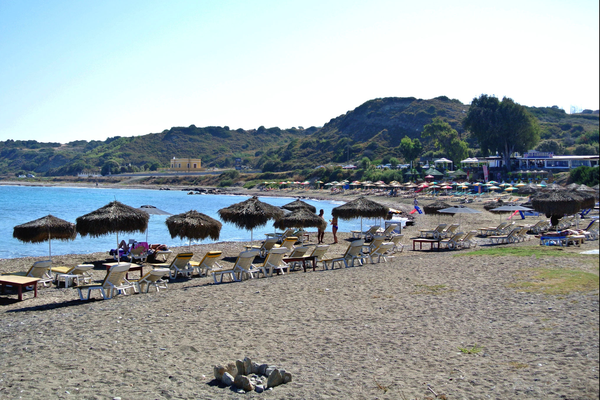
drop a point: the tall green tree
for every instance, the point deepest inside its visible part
(446, 138)
(410, 148)
(503, 126)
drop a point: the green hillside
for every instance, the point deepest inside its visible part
(374, 130)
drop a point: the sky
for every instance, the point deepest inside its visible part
(90, 70)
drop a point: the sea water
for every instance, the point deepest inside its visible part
(21, 204)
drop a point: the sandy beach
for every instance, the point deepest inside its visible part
(390, 330)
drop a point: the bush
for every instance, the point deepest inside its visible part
(584, 175)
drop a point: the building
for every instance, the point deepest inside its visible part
(186, 164)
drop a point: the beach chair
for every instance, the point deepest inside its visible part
(451, 243)
(208, 262)
(505, 239)
(398, 247)
(370, 233)
(154, 278)
(139, 253)
(432, 233)
(375, 243)
(382, 251)
(521, 234)
(114, 283)
(243, 264)
(244, 268)
(288, 244)
(40, 270)
(274, 262)
(179, 266)
(299, 251)
(539, 227)
(353, 253)
(591, 231)
(366, 235)
(263, 249)
(468, 240)
(78, 274)
(389, 231)
(498, 230)
(280, 235)
(449, 231)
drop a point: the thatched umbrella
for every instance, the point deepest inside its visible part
(250, 214)
(588, 200)
(360, 207)
(45, 228)
(434, 207)
(301, 218)
(193, 225)
(114, 217)
(298, 204)
(530, 188)
(556, 203)
(490, 205)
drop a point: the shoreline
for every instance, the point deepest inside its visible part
(389, 330)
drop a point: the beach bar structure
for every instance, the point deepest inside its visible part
(186, 164)
(547, 160)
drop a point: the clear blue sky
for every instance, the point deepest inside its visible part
(94, 69)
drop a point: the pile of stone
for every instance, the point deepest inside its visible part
(250, 376)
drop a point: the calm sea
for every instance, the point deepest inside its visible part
(20, 204)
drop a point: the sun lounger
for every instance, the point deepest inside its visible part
(433, 233)
(468, 240)
(353, 253)
(40, 270)
(504, 239)
(451, 243)
(179, 266)
(244, 267)
(382, 251)
(79, 274)
(208, 262)
(398, 247)
(154, 278)
(114, 283)
(274, 262)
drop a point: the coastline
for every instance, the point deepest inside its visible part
(385, 330)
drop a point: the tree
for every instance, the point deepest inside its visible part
(365, 163)
(410, 149)
(502, 126)
(446, 138)
(551, 146)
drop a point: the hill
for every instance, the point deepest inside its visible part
(373, 129)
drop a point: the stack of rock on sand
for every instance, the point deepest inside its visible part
(420, 325)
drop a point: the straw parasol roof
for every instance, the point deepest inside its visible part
(297, 204)
(300, 218)
(490, 205)
(45, 229)
(588, 200)
(114, 217)
(193, 225)
(250, 214)
(434, 207)
(530, 188)
(360, 208)
(556, 203)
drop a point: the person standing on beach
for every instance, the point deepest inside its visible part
(321, 229)
(334, 228)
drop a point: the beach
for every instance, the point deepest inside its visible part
(424, 324)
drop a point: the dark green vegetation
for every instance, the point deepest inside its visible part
(380, 131)
(502, 126)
